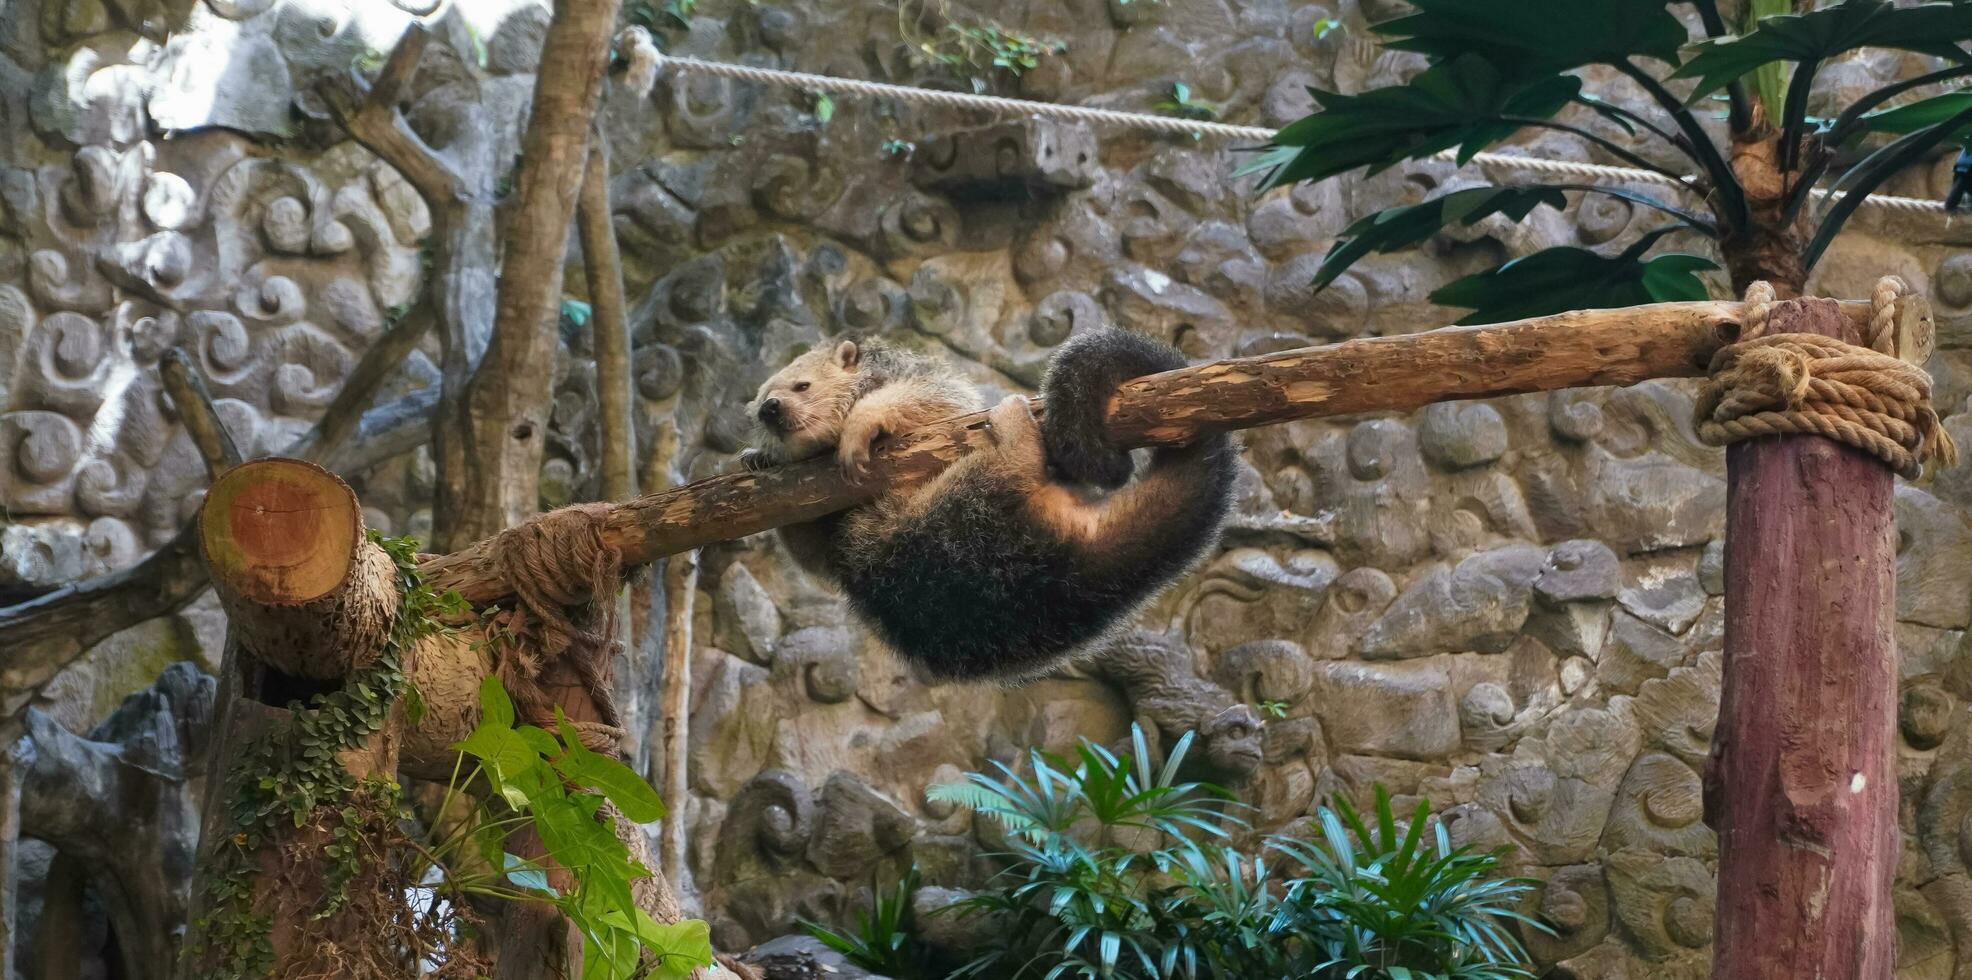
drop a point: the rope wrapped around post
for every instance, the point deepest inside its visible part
(1798, 383)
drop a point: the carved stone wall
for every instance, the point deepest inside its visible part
(1511, 607)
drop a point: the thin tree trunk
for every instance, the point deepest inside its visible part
(1802, 785)
(680, 591)
(610, 328)
(1769, 247)
(496, 483)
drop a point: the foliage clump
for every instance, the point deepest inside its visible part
(1116, 869)
(396, 903)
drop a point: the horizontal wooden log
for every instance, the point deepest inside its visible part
(1380, 374)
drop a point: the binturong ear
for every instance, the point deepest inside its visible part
(847, 354)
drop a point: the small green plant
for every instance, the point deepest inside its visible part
(897, 148)
(1088, 840)
(1117, 870)
(824, 108)
(550, 782)
(1395, 901)
(1274, 709)
(1180, 103)
(885, 940)
(968, 46)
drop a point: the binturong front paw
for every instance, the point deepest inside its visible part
(854, 451)
(755, 460)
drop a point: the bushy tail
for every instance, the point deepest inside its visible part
(1159, 526)
(1084, 373)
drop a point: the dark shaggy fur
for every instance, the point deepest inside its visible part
(971, 584)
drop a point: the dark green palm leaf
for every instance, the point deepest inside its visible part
(1563, 278)
(1461, 103)
(1928, 28)
(1538, 37)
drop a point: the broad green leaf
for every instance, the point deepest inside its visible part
(1394, 229)
(1917, 115)
(824, 108)
(1564, 278)
(502, 752)
(495, 708)
(1928, 28)
(576, 312)
(616, 782)
(527, 875)
(540, 741)
(1538, 37)
(1462, 103)
(684, 946)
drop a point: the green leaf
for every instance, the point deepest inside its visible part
(1460, 103)
(540, 741)
(1529, 38)
(1564, 278)
(1394, 229)
(1910, 118)
(617, 782)
(824, 108)
(682, 946)
(1928, 28)
(576, 312)
(504, 754)
(495, 708)
(527, 875)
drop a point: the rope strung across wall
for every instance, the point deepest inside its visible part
(1171, 124)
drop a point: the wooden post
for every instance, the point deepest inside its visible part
(1802, 782)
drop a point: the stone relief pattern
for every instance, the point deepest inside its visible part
(1512, 608)
(120, 244)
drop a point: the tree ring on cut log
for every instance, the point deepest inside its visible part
(283, 534)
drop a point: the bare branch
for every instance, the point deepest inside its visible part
(369, 113)
(609, 324)
(490, 473)
(186, 387)
(346, 412)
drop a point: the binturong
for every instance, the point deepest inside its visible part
(1021, 555)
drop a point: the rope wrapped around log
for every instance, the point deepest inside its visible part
(565, 576)
(1807, 384)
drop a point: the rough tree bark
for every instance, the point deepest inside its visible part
(10, 840)
(457, 185)
(1768, 248)
(1802, 785)
(307, 594)
(503, 428)
(1568, 350)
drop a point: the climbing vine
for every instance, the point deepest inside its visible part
(403, 906)
(293, 776)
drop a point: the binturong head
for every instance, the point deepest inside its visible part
(802, 407)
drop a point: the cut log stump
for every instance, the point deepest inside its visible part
(306, 592)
